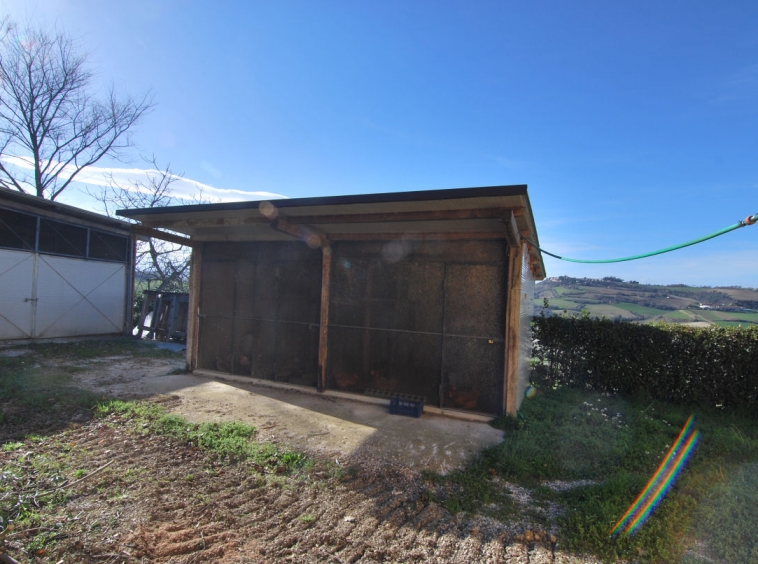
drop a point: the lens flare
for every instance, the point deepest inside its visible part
(661, 482)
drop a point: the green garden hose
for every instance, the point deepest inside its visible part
(749, 220)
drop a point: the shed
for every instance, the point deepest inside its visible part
(64, 271)
(426, 293)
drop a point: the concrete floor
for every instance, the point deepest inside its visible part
(336, 427)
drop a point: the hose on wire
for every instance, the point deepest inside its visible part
(749, 220)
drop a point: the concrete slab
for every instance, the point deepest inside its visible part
(337, 427)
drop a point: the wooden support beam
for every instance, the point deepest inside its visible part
(312, 237)
(206, 222)
(326, 278)
(418, 236)
(431, 215)
(513, 331)
(511, 230)
(193, 309)
(170, 237)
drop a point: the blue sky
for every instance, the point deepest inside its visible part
(633, 124)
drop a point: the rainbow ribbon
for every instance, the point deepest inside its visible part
(661, 482)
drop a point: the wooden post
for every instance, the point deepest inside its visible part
(193, 308)
(130, 282)
(513, 330)
(326, 277)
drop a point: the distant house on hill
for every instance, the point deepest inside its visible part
(63, 271)
(423, 293)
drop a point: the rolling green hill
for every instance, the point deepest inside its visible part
(614, 298)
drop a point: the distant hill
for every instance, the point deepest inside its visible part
(614, 298)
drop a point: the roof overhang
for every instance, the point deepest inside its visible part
(496, 212)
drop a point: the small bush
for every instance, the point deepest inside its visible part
(714, 366)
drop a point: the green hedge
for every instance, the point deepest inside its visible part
(708, 366)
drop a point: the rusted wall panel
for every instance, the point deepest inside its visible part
(473, 374)
(261, 304)
(216, 310)
(391, 305)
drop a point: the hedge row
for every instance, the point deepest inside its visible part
(707, 366)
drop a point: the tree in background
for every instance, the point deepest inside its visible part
(51, 126)
(160, 265)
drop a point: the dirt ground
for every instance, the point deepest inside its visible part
(153, 499)
(321, 425)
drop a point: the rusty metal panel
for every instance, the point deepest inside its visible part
(423, 318)
(474, 300)
(473, 375)
(384, 360)
(244, 326)
(216, 310)
(260, 306)
(474, 328)
(297, 354)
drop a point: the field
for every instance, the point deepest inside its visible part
(615, 299)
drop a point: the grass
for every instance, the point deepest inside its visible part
(609, 311)
(230, 439)
(611, 446)
(37, 388)
(641, 310)
(43, 380)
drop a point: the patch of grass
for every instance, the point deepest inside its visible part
(30, 386)
(678, 314)
(230, 439)
(10, 447)
(727, 516)
(559, 303)
(614, 445)
(610, 311)
(641, 310)
(308, 518)
(87, 349)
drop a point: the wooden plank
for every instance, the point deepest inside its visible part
(417, 236)
(312, 237)
(511, 230)
(193, 309)
(206, 222)
(431, 215)
(170, 237)
(513, 330)
(326, 278)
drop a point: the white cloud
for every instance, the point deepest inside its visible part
(127, 178)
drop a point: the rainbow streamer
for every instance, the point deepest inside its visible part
(661, 482)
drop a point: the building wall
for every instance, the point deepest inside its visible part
(420, 318)
(260, 305)
(61, 278)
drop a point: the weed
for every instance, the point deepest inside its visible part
(10, 447)
(308, 518)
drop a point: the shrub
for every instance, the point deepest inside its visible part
(715, 366)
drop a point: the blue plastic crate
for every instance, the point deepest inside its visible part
(404, 406)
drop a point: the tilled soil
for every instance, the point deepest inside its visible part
(160, 500)
(110, 491)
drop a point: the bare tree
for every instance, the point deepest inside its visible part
(50, 123)
(163, 266)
